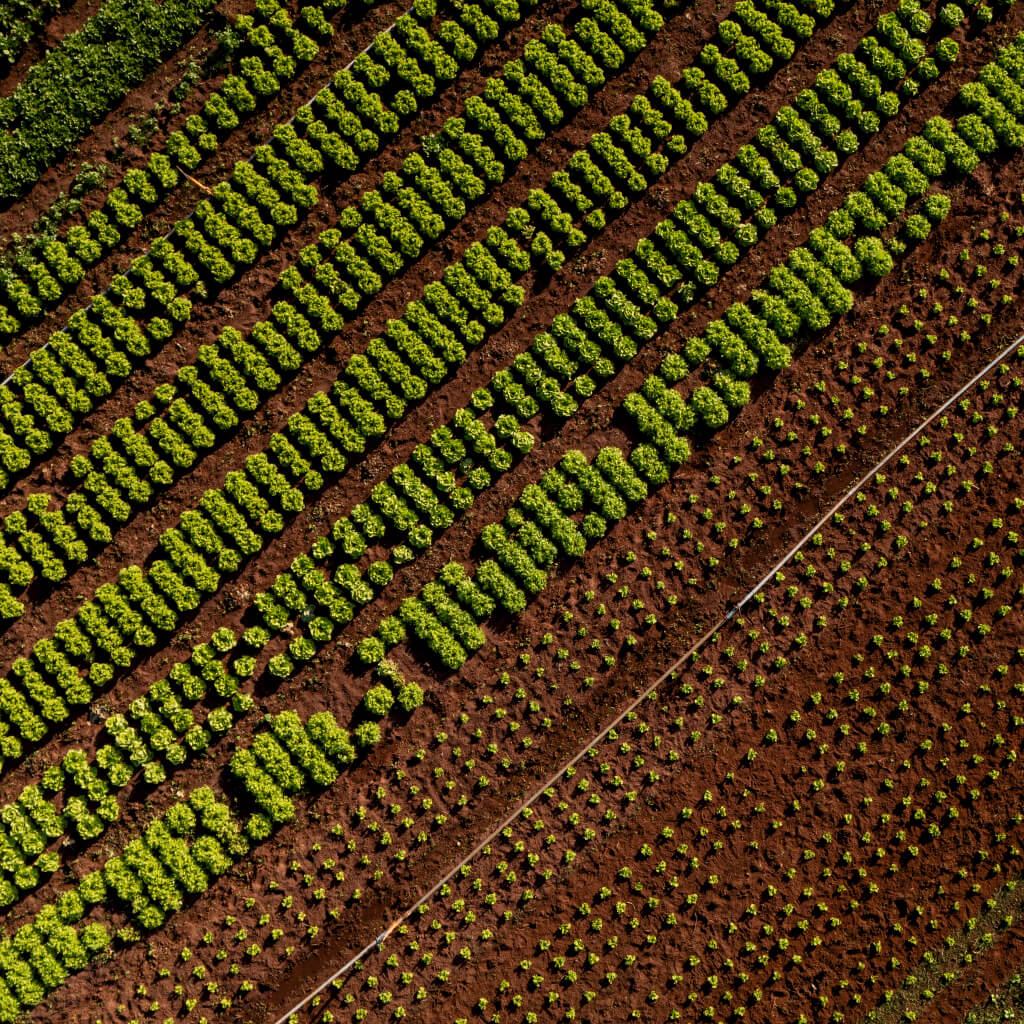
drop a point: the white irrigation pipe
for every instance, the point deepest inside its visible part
(674, 667)
(247, 160)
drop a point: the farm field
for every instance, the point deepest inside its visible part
(511, 511)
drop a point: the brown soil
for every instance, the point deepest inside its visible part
(716, 735)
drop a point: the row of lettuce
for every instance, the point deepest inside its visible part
(177, 857)
(272, 53)
(406, 511)
(375, 241)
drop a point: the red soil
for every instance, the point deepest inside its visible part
(463, 706)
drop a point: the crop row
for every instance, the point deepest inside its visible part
(113, 51)
(806, 294)
(422, 330)
(281, 666)
(82, 364)
(522, 405)
(284, 357)
(743, 711)
(740, 710)
(274, 50)
(348, 591)
(450, 445)
(177, 720)
(63, 264)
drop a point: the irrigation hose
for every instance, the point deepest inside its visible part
(378, 942)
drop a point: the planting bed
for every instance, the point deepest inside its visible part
(518, 522)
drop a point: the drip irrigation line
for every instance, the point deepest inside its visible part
(694, 648)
